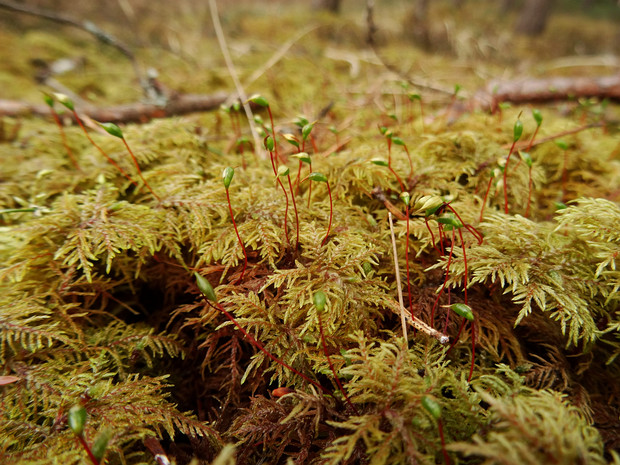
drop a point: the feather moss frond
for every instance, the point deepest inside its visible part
(534, 427)
(545, 265)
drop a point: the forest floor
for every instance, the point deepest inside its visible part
(506, 239)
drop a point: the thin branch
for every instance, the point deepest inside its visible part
(233, 74)
(279, 54)
(403, 317)
(139, 112)
(86, 25)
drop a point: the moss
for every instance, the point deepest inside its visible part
(100, 306)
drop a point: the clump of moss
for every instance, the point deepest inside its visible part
(100, 307)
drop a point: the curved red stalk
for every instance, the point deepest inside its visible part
(473, 351)
(532, 139)
(329, 191)
(400, 181)
(87, 448)
(331, 365)
(529, 194)
(410, 162)
(465, 276)
(310, 186)
(285, 211)
(260, 347)
(273, 133)
(275, 172)
(245, 255)
(470, 228)
(64, 139)
(446, 458)
(432, 235)
(135, 162)
(407, 260)
(290, 185)
(444, 281)
(512, 147)
(298, 177)
(486, 195)
(116, 165)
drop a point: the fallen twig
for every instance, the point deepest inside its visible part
(139, 112)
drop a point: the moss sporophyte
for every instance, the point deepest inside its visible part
(227, 176)
(211, 299)
(68, 103)
(320, 177)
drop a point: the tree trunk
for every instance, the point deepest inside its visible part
(506, 6)
(416, 24)
(534, 16)
(329, 5)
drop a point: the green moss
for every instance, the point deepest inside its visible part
(100, 306)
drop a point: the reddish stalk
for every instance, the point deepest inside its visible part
(505, 175)
(273, 132)
(445, 281)
(135, 162)
(470, 228)
(107, 157)
(319, 177)
(517, 131)
(260, 347)
(400, 182)
(473, 327)
(529, 195)
(446, 458)
(285, 211)
(245, 255)
(309, 187)
(399, 141)
(331, 213)
(86, 447)
(270, 144)
(407, 262)
(432, 235)
(486, 195)
(331, 366)
(406, 198)
(64, 139)
(290, 185)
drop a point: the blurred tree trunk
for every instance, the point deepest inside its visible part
(329, 5)
(416, 24)
(534, 16)
(506, 6)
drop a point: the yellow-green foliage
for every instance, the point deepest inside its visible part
(98, 296)
(99, 306)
